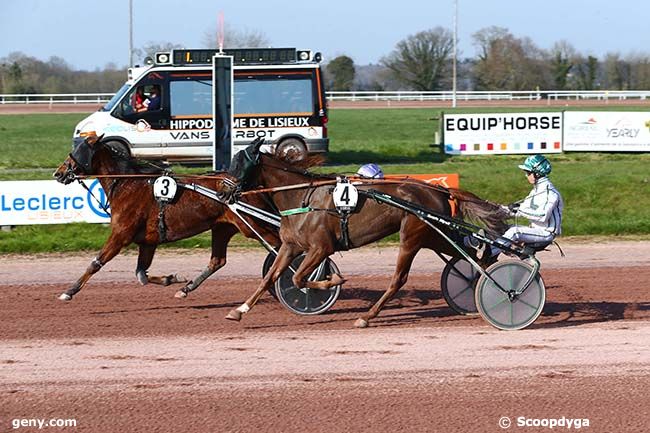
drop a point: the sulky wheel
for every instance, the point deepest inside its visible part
(291, 150)
(457, 285)
(308, 301)
(510, 311)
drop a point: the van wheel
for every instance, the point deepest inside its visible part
(119, 147)
(291, 150)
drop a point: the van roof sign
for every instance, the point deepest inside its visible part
(241, 56)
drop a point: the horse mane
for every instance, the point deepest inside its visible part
(308, 162)
(483, 212)
(129, 165)
(302, 165)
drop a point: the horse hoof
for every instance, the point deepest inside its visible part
(180, 295)
(65, 297)
(361, 323)
(234, 315)
(337, 280)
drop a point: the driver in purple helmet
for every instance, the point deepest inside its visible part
(371, 171)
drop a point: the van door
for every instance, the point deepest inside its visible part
(146, 109)
(190, 125)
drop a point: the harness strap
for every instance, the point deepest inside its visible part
(344, 242)
(295, 211)
(162, 228)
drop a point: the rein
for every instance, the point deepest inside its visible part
(102, 205)
(354, 181)
(151, 176)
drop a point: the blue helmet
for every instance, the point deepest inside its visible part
(537, 164)
(371, 171)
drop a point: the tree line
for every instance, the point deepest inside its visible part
(421, 61)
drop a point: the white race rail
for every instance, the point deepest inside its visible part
(551, 95)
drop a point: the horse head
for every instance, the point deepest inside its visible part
(244, 162)
(79, 161)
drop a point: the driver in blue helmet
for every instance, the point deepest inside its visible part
(543, 206)
(371, 171)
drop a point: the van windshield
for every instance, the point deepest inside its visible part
(273, 95)
(256, 94)
(116, 98)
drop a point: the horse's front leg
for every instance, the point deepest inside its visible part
(311, 261)
(145, 257)
(111, 248)
(404, 261)
(285, 256)
(221, 235)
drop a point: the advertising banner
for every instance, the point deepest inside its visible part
(602, 131)
(50, 202)
(448, 180)
(502, 133)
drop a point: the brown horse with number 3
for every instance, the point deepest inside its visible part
(315, 227)
(136, 214)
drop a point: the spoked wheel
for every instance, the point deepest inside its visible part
(308, 301)
(457, 284)
(510, 311)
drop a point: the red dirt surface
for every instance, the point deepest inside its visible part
(125, 358)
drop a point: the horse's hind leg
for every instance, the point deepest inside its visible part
(145, 257)
(110, 249)
(404, 262)
(286, 254)
(221, 235)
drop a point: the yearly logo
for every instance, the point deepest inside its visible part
(97, 200)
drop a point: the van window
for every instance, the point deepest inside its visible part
(115, 99)
(191, 97)
(254, 95)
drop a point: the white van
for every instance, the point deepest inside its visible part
(278, 94)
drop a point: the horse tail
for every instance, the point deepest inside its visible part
(483, 212)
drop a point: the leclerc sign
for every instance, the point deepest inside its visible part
(50, 202)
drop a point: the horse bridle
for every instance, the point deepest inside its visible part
(86, 169)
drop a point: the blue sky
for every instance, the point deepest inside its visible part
(88, 34)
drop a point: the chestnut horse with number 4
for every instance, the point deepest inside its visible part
(311, 225)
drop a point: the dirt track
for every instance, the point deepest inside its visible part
(125, 358)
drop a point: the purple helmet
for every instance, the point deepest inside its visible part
(371, 171)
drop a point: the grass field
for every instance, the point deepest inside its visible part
(605, 194)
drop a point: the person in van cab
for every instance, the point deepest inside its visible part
(138, 99)
(152, 103)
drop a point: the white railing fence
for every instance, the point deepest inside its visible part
(56, 98)
(490, 95)
(602, 95)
